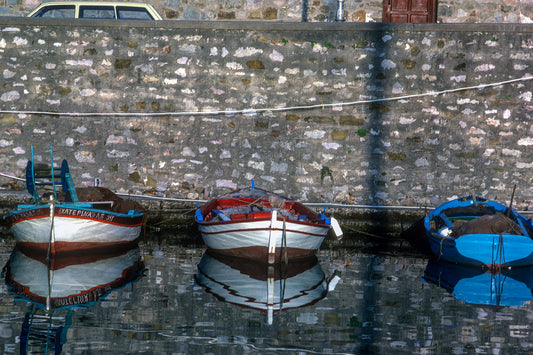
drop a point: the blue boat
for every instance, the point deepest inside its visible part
(477, 285)
(481, 232)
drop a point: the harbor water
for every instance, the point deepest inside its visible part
(174, 298)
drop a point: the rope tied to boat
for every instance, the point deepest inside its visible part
(440, 249)
(498, 255)
(501, 249)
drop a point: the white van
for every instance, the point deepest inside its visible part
(109, 10)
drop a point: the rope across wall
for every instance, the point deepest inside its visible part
(251, 111)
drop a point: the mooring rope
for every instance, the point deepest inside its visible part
(493, 257)
(440, 249)
(251, 111)
(502, 253)
(309, 204)
(12, 177)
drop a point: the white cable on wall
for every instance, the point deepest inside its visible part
(273, 109)
(310, 204)
(11, 176)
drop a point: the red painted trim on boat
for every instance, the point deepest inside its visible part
(228, 231)
(260, 271)
(74, 250)
(230, 201)
(265, 304)
(214, 223)
(98, 216)
(62, 259)
(129, 274)
(260, 254)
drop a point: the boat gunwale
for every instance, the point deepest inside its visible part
(264, 219)
(74, 206)
(211, 204)
(469, 201)
(229, 231)
(130, 220)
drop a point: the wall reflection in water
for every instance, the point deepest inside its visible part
(380, 305)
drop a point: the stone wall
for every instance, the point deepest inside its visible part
(448, 11)
(347, 113)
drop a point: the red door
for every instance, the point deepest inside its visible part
(409, 11)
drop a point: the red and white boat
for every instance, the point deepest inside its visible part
(266, 288)
(56, 286)
(65, 227)
(68, 220)
(256, 224)
(61, 283)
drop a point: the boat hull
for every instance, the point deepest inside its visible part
(481, 249)
(75, 283)
(262, 226)
(261, 239)
(74, 228)
(266, 288)
(474, 285)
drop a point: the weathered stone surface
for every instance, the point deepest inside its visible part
(122, 63)
(350, 114)
(255, 64)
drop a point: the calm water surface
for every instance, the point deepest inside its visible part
(345, 302)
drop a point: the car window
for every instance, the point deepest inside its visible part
(133, 13)
(58, 11)
(97, 12)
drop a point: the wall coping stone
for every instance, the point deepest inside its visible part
(277, 26)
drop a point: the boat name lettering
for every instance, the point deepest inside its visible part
(28, 214)
(85, 214)
(82, 298)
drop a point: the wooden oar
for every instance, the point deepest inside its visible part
(511, 203)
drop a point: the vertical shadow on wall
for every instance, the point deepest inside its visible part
(375, 183)
(380, 80)
(305, 9)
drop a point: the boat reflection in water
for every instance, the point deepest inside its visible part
(268, 288)
(56, 287)
(477, 285)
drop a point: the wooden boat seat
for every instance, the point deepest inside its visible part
(249, 216)
(222, 216)
(446, 221)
